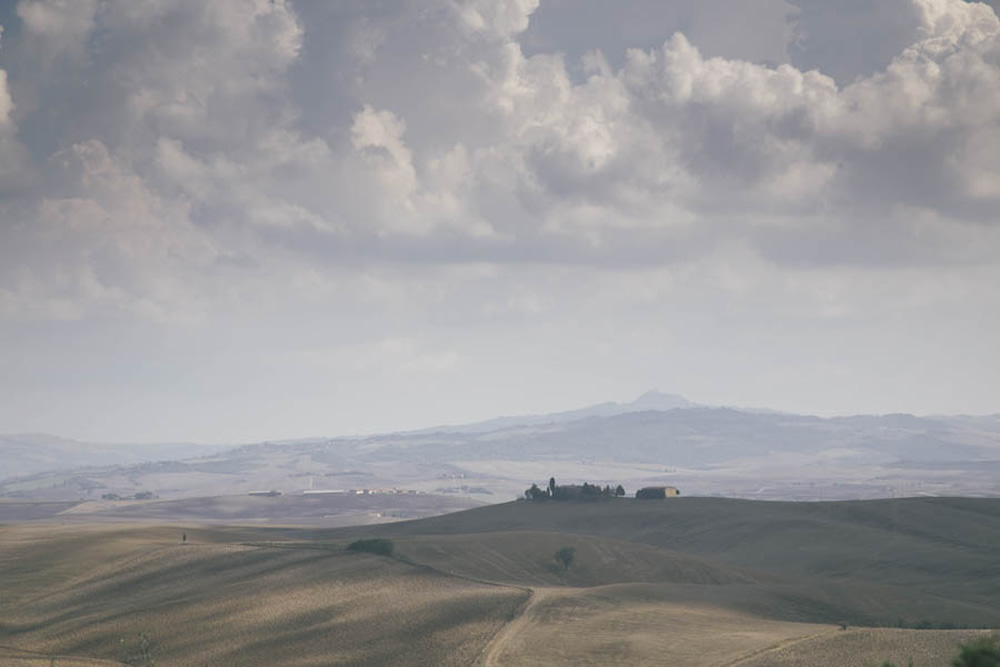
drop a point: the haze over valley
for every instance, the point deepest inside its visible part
(655, 440)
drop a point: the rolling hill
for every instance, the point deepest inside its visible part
(141, 596)
(27, 454)
(690, 581)
(314, 509)
(946, 549)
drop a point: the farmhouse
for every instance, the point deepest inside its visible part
(657, 492)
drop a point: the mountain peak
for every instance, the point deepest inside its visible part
(658, 400)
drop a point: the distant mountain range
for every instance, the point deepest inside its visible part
(656, 439)
(32, 453)
(651, 400)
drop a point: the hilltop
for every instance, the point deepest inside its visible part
(651, 400)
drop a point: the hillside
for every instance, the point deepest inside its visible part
(690, 581)
(105, 593)
(34, 453)
(926, 559)
(326, 509)
(650, 625)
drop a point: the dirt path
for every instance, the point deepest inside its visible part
(785, 643)
(501, 640)
(495, 646)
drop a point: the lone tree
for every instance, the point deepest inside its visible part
(375, 545)
(565, 557)
(552, 486)
(620, 491)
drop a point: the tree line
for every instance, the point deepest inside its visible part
(583, 491)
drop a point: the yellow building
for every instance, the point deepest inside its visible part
(657, 492)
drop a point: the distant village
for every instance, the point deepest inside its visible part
(340, 492)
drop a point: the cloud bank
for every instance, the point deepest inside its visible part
(443, 182)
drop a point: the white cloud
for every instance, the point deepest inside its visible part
(671, 144)
(59, 27)
(217, 77)
(402, 171)
(11, 153)
(757, 31)
(499, 18)
(6, 103)
(112, 245)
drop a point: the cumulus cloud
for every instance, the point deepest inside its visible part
(6, 103)
(500, 19)
(9, 148)
(112, 243)
(169, 162)
(477, 147)
(756, 31)
(59, 27)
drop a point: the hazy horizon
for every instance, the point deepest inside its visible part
(252, 220)
(432, 426)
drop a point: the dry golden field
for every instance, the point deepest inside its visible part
(526, 559)
(696, 583)
(88, 592)
(18, 658)
(634, 625)
(867, 647)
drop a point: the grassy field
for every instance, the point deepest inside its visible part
(326, 510)
(30, 510)
(866, 647)
(685, 582)
(96, 592)
(17, 658)
(946, 550)
(526, 559)
(635, 625)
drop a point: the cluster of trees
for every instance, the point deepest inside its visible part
(596, 490)
(572, 491)
(142, 495)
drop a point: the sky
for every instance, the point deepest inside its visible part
(258, 219)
